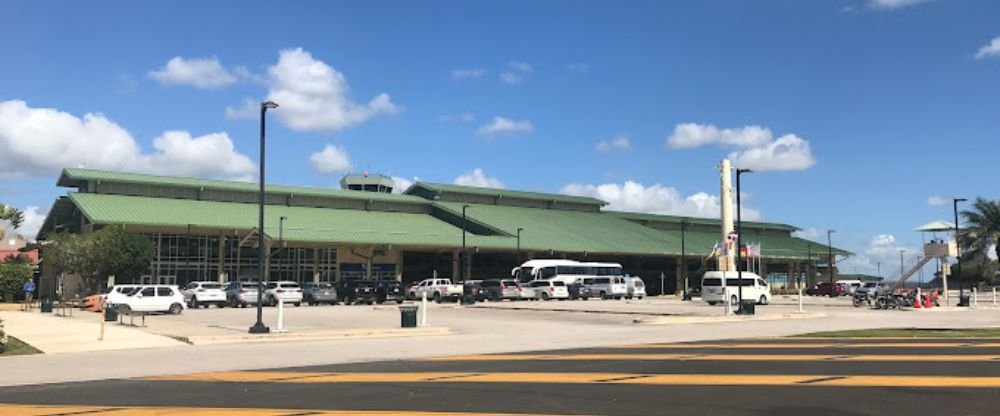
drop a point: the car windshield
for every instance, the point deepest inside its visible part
(211, 286)
(712, 282)
(322, 285)
(558, 283)
(134, 291)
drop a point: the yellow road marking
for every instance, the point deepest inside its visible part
(811, 345)
(47, 410)
(718, 357)
(588, 378)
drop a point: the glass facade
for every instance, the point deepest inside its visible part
(180, 259)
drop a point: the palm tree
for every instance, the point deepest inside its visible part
(982, 227)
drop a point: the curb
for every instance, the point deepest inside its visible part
(311, 336)
(725, 319)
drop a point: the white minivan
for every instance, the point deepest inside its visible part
(607, 287)
(714, 287)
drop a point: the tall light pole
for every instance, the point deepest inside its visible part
(962, 301)
(879, 265)
(259, 327)
(811, 268)
(829, 253)
(739, 244)
(464, 255)
(901, 263)
(684, 265)
(519, 229)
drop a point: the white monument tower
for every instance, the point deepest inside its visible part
(726, 261)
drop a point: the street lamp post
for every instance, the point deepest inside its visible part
(259, 327)
(901, 263)
(739, 244)
(829, 253)
(962, 301)
(810, 274)
(464, 254)
(519, 229)
(684, 265)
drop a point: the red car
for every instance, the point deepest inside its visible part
(826, 289)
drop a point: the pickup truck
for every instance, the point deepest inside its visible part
(436, 289)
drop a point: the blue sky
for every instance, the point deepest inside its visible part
(879, 105)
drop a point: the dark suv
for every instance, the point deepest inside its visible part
(317, 293)
(826, 289)
(579, 291)
(357, 291)
(389, 291)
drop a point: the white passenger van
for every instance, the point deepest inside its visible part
(714, 287)
(567, 271)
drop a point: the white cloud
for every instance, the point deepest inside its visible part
(881, 252)
(618, 143)
(756, 148)
(479, 179)
(33, 219)
(989, 50)
(937, 201)
(315, 97)
(457, 118)
(577, 67)
(331, 159)
(894, 4)
(656, 199)
(467, 73)
(42, 141)
(811, 234)
(248, 109)
(789, 152)
(505, 126)
(515, 72)
(401, 184)
(204, 73)
(689, 135)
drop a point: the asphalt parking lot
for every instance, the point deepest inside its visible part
(777, 376)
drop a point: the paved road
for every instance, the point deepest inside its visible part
(741, 377)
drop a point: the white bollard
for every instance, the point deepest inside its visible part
(994, 296)
(975, 297)
(281, 316)
(800, 301)
(725, 300)
(423, 309)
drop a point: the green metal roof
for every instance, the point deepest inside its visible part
(699, 221)
(441, 188)
(73, 177)
(303, 224)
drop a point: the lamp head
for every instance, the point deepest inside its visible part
(268, 104)
(740, 171)
(957, 200)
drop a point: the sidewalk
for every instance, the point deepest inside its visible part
(56, 335)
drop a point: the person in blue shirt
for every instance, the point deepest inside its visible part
(29, 290)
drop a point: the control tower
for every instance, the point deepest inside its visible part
(367, 183)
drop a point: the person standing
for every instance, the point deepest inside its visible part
(29, 291)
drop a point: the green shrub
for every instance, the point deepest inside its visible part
(12, 278)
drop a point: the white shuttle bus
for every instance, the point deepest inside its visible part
(568, 271)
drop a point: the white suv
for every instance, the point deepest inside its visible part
(288, 292)
(204, 294)
(550, 289)
(153, 298)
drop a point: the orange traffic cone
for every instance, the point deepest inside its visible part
(927, 301)
(916, 303)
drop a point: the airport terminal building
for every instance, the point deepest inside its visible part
(206, 230)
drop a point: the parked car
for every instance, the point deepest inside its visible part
(715, 286)
(496, 290)
(241, 294)
(526, 292)
(607, 287)
(550, 289)
(204, 294)
(474, 289)
(288, 292)
(873, 289)
(636, 287)
(579, 291)
(389, 291)
(850, 286)
(826, 289)
(92, 303)
(317, 293)
(153, 298)
(437, 289)
(357, 291)
(117, 293)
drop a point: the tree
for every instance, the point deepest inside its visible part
(982, 227)
(12, 278)
(12, 215)
(20, 258)
(976, 268)
(95, 256)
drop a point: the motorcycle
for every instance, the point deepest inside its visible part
(861, 299)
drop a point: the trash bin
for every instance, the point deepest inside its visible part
(468, 295)
(46, 306)
(408, 316)
(111, 315)
(963, 300)
(747, 307)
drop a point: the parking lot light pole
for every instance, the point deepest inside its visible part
(684, 265)
(464, 254)
(259, 327)
(829, 254)
(519, 229)
(958, 256)
(739, 237)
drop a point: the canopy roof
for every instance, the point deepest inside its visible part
(936, 226)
